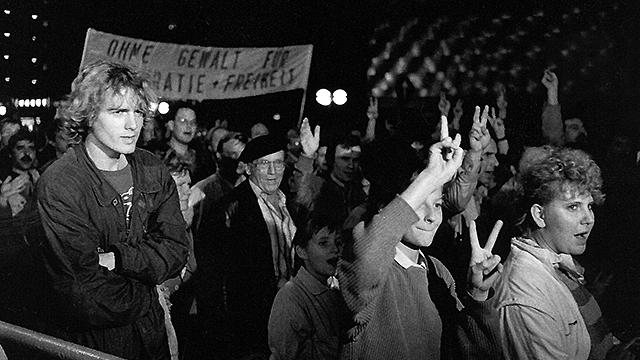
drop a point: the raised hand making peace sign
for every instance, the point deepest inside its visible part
(372, 109)
(479, 136)
(497, 123)
(481, 274)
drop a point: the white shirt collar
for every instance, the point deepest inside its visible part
(405, 262)
(259, 193)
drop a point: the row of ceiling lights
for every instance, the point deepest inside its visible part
(24, 103)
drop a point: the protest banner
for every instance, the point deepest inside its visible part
(188, 72)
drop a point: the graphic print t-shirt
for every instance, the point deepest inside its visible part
(122, 181)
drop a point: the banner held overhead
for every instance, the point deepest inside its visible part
(187, 72)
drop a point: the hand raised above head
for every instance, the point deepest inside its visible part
(372, 109)
(445, 157)
(310, 141)
(457, 110)
(444, 105)
(479, 136)
(549, 79)
(497, 124)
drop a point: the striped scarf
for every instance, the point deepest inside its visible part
(601, 337)
(281, 232)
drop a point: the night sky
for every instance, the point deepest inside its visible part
(339, 30)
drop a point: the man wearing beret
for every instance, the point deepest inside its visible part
(258, 245)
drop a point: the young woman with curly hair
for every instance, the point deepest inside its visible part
(544, 308)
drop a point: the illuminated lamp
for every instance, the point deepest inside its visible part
(34, 81)
(3, 110)
(38, 102)
(276, 117)
(7, 79)
(7, 11)
(26, 103)
(323, 97)
(163, 107)
(34, 16)
(7, 34)
(6, 57)
(33, 60)
(32, 102)
(339, 97)
(45, 102)
(20, 103)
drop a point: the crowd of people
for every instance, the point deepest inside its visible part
(313, 246)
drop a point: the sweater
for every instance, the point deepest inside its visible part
(406, 313)
(307, 320)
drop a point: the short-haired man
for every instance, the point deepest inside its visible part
(112, 219)
(342, 189)
(260, 235)
(183, 128)
(21, 233)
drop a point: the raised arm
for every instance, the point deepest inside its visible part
(307, 183)
(497, 123)
(459, 191)
(552, 127)
(367, 258)
(372, 116)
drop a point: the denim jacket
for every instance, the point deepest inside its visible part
(539, 318)
(82, 215)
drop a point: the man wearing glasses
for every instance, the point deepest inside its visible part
(258, 246)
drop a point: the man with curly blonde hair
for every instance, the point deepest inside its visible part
(112, 219)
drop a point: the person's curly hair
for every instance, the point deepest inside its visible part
(547, 171)
(99, 79)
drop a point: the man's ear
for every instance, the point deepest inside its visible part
(537, 213)
(301, 252)
(170, 125)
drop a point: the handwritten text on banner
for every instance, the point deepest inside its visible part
(197, 73)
